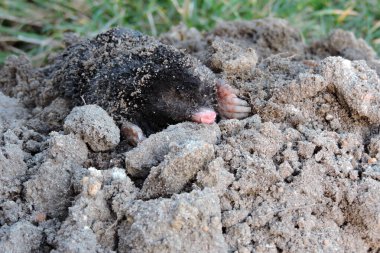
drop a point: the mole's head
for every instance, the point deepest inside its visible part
(181, 96)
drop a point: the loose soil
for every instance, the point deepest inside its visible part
(301, 174)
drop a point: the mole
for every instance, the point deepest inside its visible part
(143, 84)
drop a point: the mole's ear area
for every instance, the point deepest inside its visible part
(229, 105)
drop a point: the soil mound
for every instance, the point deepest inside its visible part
(301, 174)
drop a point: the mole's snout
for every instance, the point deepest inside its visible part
(204, 115)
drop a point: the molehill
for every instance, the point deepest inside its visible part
(299, 175)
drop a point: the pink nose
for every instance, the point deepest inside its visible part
(204, 115)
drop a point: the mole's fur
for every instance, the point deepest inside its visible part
(134, 78)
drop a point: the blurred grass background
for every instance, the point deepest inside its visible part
(37, 26)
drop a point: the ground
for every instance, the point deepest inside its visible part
(300, 174)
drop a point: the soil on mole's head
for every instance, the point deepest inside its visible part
(300, 174)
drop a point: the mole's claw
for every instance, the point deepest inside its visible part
(132, 133)
(237, 101)
(230, 106)
(234, 108)
(235, 115)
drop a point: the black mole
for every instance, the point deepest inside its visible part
(139, 80)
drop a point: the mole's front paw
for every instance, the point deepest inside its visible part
(132, 133)
(230, 106)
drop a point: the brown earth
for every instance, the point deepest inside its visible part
(300, 175)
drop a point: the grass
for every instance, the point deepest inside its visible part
(38, 26)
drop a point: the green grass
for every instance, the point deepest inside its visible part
(37, 26)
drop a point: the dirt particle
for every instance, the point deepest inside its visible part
(94, 126)
(372, 160)
(40, 217)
